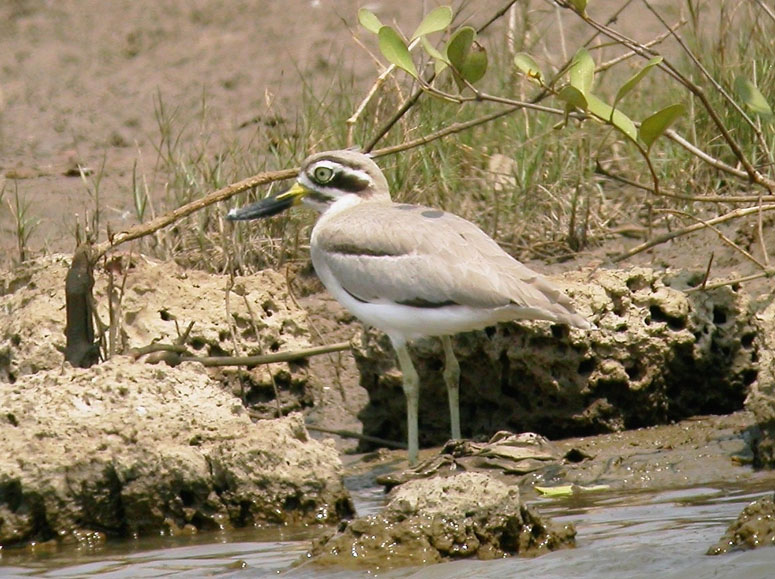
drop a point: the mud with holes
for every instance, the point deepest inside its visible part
(128, 447)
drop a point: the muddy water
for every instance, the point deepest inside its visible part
(637, 534)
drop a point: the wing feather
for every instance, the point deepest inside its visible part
(413, 254)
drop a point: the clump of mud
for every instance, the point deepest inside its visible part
(432, 520)
(754, 527)
(125, 448)
(659, 355)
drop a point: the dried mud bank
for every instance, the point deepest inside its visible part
(156, 302)
(124, 448)
(659, 355)
(127, 448)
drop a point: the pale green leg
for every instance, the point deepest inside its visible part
(412, 393)
(452, 379)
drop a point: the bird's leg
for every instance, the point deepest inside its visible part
(452, 379)
(412, 393)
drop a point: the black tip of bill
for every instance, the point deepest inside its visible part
(264, 208)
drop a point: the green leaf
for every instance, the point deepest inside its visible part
(752, 97)
(579, 6)
(432, 51)
(636, 78)
(558, 491)
(475, 64)
(439, 60)
(654, 126)
(437, 19)
(393, 48)
(527, 66)
(582, 71)
(459, 46)
(573, 97)
(613, 116)
(369, 20)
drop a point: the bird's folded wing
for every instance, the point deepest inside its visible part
(428, 258)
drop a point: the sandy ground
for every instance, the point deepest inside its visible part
(84, 82)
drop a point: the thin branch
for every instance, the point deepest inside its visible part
(627, 55)
(766, 9)
(143, 229)
(683, 197)
(449, 130)
(752, 173)
(659, 239)
(358, 436)
(414, 97)
(350, 122)
(239, 360)
(267, 358)
(718, 232)
(716, 85)
(769, 272)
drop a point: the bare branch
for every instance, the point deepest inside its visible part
(659, 239)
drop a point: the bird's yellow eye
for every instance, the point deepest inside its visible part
(323, 174)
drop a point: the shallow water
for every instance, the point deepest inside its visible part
(642, 534)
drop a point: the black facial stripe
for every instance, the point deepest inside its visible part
(348, 182)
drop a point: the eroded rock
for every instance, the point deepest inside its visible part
(430, 520)
(659, 355)
(157, 302)
(761, 400)
(754, 527)
(124, 448)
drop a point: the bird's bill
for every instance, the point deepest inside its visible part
(269, 205)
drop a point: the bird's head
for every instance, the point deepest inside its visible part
(324, 179)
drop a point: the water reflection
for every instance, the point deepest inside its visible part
(642, 534)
